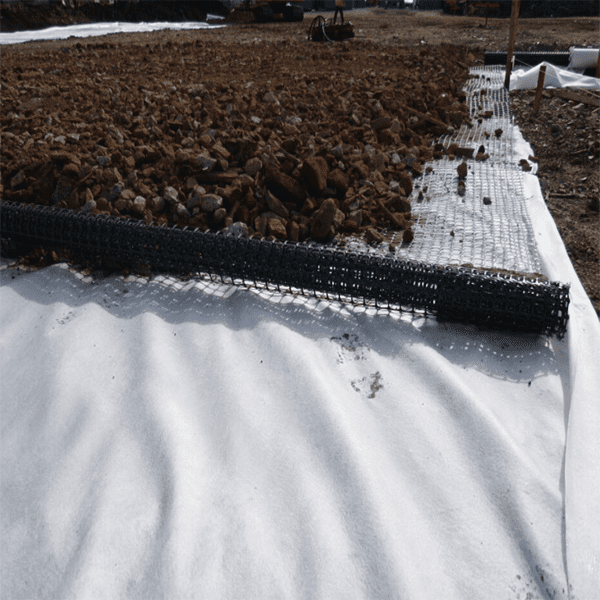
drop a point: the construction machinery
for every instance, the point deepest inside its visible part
(264, 11)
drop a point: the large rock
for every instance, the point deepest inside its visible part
(315, 170)
(338, 181)
(211, 202)
(171, 195)
(206, 163)
(406, 182)
(139, 205)
(321, 228)
(285, 187)
(276, 206)
(276, 228)
(253, 166)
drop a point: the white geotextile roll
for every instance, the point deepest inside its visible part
(583, 58)
(555, 78)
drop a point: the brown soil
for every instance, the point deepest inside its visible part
(564, 135)
(133, 110)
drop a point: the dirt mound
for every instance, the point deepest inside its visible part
(281, 142)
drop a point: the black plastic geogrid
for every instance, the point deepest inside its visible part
(532, 59)
(529, 59)
(488, 299)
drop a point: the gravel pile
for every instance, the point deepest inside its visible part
(277, 140)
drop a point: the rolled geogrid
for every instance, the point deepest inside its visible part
(491, 299)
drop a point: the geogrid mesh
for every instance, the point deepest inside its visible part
(455, 229)
(494, 300)
(467, 262)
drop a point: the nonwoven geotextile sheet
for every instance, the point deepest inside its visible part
(166, 441)
(239, 448)
(96, 29)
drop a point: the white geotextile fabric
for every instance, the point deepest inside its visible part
(526, 79)
(96, 29)
(583, 58)
(581, 483)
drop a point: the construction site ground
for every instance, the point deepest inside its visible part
(564, 134)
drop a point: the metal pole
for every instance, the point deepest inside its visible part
(514, 19)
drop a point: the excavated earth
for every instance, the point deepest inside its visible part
(565, 137)
(253, 129)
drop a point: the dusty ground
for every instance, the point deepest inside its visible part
(564, 135)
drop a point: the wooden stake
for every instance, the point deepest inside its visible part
(539, 88)
(514, 19)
